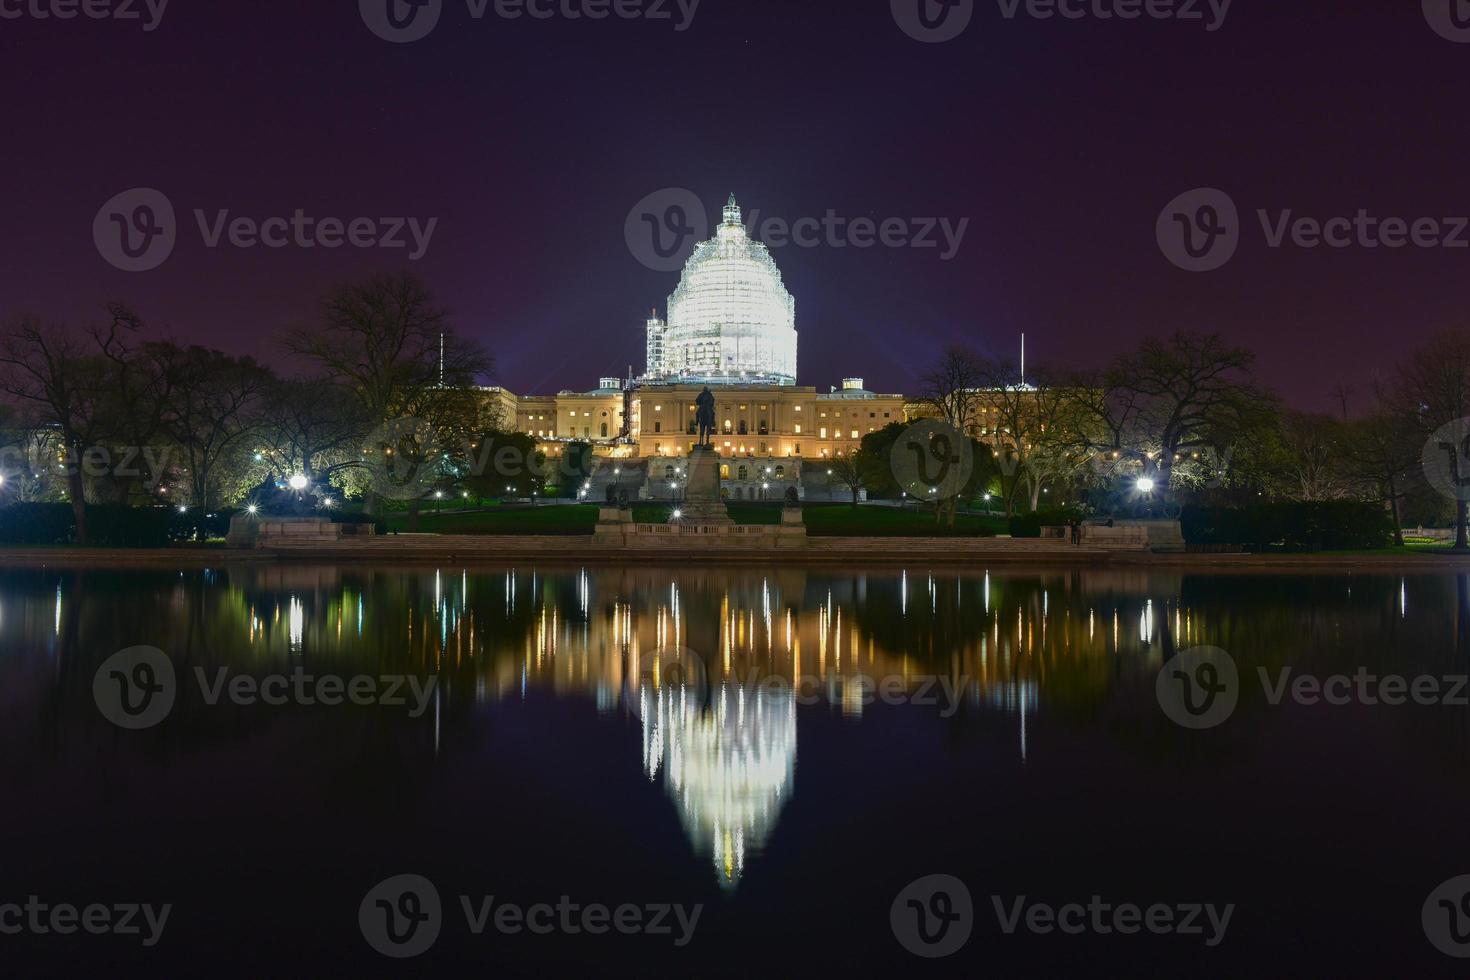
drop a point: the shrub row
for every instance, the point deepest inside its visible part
(108, 525)
(1291, 525)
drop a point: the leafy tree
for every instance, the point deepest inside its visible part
(506, 464)
(577, 464)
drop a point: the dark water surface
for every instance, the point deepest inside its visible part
(787, 749)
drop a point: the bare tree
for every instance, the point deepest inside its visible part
(1314, 457)
(388, 342)
(313, 427)
(1432, 389)
(1381, 451)
(846, 472)
(952, 390)
(51, 368)
(215, 408)
(1171, 400)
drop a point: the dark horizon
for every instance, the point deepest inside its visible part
(530, 142)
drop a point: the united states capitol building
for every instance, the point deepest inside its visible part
(731, 325)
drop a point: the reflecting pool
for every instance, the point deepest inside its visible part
(786, 751)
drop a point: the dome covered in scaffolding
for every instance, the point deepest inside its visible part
(731, 319)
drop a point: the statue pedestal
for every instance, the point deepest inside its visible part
(702, 502)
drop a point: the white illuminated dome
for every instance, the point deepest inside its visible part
(731, 319)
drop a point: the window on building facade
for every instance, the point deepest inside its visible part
(742, 473)
(658, 427)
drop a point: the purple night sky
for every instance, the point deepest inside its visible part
(530, 141)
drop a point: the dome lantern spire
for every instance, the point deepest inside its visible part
(732, 211)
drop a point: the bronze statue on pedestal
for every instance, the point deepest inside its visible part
(704, 416)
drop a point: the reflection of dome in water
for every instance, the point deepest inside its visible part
(728, 766)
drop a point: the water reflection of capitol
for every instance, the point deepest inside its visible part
(728, 764)
(722, 735)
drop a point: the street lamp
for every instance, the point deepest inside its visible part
(297, 482)
(1145, 484)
